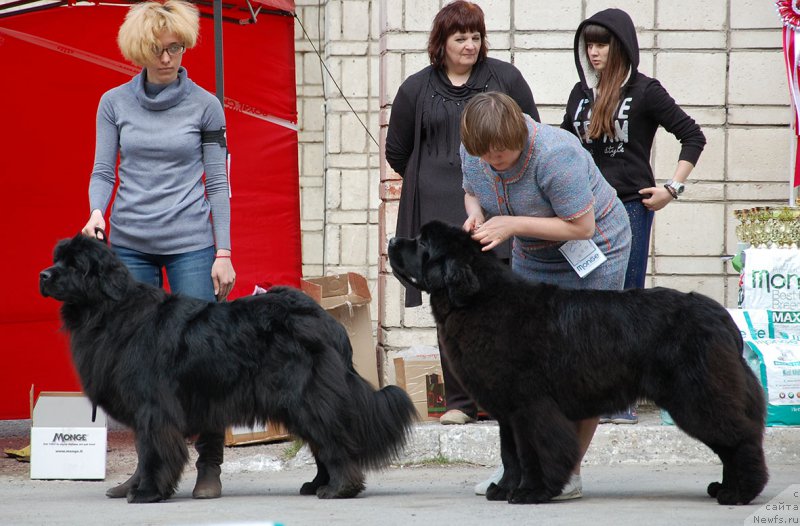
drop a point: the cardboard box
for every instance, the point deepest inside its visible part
(346, 297)
(434, 391)
(66, 443)
(241, 435)
(422, 380)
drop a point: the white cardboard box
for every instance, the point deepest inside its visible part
(65, 442)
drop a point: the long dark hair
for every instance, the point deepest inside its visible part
(456, 17)
(611, 78)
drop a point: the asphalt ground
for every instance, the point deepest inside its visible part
(261, 483)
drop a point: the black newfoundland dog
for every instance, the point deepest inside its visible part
(537, 357)
(171, 366)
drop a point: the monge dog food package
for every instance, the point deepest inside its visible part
(777, 364)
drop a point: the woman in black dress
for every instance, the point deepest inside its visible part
(422, 142)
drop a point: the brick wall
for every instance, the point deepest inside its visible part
(720, 59)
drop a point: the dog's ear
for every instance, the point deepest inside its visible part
(461, 282)
(114, 287)
(112, 275)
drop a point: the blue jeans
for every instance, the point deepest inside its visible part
(188, 273)
(641, 221)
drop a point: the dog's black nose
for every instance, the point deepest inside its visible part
(393, 242)
(44, 278)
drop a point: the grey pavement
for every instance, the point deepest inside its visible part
(642, 474)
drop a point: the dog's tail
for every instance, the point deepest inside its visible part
(382, 423)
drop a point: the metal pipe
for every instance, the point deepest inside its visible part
(218, 65)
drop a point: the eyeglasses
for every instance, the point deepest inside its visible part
(172, 50)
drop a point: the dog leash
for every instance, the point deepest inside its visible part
(100, 234)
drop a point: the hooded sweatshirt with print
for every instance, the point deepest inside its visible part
(644, 105)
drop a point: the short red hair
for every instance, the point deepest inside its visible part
(459, 16)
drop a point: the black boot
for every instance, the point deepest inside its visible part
(209, 447)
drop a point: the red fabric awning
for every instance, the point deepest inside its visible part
(238, 10)
(233, 10)
(285, 5)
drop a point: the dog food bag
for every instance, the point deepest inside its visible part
(771, 279)
(758, 324)
(776, 363)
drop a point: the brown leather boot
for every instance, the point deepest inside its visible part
(121, 491)
(209, 446)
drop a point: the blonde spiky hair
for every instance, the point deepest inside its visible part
(145, 22)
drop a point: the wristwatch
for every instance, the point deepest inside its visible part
(675, 188)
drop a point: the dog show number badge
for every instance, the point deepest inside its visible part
(583, 255)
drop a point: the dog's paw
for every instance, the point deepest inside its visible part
(745, 498)
(138, 496)
(527, 496)
(343, 492)
(495, 492)
(309, 488)
(350, 491)
(728, 497)
(713, 489)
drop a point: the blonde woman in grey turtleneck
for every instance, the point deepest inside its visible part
(167, 133)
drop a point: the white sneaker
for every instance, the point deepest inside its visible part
(455, 416)
(494, 478)
(573, 489)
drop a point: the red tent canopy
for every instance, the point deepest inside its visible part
(57, 62)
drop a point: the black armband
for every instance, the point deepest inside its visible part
(214, 136)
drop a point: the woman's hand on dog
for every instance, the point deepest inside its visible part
(494, 231)
(475, 217)
(95, 223)
(223, 275)
(473, 223)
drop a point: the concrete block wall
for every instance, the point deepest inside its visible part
(720, 59)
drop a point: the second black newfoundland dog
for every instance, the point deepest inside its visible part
(537, 357)
(171, 366)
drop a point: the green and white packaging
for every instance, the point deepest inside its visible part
(776, 363)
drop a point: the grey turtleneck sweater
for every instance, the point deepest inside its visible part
(162, 205)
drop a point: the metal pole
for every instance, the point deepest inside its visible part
(218, 66)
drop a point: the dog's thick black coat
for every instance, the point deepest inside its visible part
(537, 357)
(171, 366)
